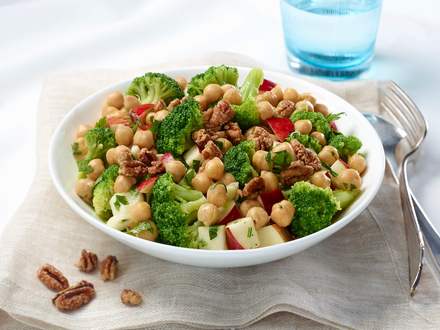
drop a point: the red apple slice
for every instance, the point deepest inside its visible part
(242, 234)
(281, 127)
(231, 212)
(114, 121)
(147, 185)
(338, 166)
(142, 109)
(269, 198)
(214, 236)
(266, 85)
(167, 157)
(273, 234)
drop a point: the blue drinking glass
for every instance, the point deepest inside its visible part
(331, 38)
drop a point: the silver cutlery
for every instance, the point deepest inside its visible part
(402, 128)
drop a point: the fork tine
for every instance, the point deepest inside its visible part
(394, 109)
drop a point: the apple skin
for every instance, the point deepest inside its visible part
(231, 241)
(147, 185)
(269, 198)
(233, 214)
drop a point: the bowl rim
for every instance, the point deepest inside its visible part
(362, 203)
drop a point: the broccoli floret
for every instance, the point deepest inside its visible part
(237, 161)
(214, 75)
(319, 122)
(153, 87)
(307, 140)
(103, 192)
(174, 132)
(246, 114)
(315, 208)
(174, 209)
(98, 141)
(346, 145)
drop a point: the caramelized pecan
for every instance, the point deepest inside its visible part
(52, 278)
(262, 138)
(87, 261)
(307, 156)
(147, 156)
(201, 137)
(254, 186)
(133, 168)
(130, 297)
(285, 108)
(109, 268)
(221, 114)
(297, 171)
(74, 297)
(156, 167)
(211, 150)
(233, 132)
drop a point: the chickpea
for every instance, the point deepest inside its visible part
(208, 214)
(131, 102)
(348, 179)
(115, 99)
(124, 135)
(82, 130)
(135, 151)
(259, 215)
(227, 179)
(358, 163)
(84, 189)
(322, 109)
(149, 118)
(227, 87)
(246, 205)
(304, 105)
(267, 96)
(232, 96)
(282, 213)
(328, 155)
(320, 137)
(278, 93)
(217, 194)
(224, 144)
(303, 126)
(143, 138)
(259, 160)
(203, 101)
(201, 182)
(214, 168)
(308, 97)
(270, 180)
(123, 183)
(265, 109)
(176, 169)
(110, 156)
(291, 94)
(212, 92)
(122, 153)
(109, 111)
(161, 115)
(181, 81)
(97, 166)
(151, 232)
(321, 179)
(138, 212)
(285, 146)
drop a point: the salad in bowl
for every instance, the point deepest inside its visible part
(208, 163)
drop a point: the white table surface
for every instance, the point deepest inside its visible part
(40, 37)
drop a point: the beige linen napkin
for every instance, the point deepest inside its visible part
(355, 279)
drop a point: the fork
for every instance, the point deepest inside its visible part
(401, 139)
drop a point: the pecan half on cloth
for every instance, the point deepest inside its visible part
(74, 297)
(52, 278)
(109, 268)
(130, 297)
(87, 261)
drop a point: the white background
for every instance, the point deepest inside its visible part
(40, 37)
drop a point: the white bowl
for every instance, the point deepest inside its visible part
(64, 173)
